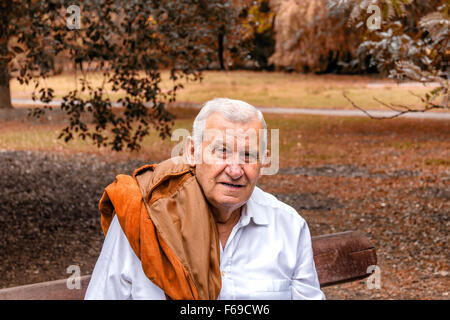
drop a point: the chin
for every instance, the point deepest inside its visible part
(228, 201)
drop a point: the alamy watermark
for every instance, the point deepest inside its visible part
(374, 280)
(374, 21)
(74, 281)
(232, 146)
(73, 22)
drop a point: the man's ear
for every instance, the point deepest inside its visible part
(189, 151)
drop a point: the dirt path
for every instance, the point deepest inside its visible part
(280, 110)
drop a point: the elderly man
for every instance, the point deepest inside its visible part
(200, 228)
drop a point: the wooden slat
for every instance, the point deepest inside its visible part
(342, 257)
(50, 290)
(339, 257)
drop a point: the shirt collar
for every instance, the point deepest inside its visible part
(250, 211)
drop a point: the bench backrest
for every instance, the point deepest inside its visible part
(339, 257)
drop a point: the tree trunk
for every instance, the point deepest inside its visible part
(220, 49)
(5, 95)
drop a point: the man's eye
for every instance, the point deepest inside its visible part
(250, 156)
(220, 150)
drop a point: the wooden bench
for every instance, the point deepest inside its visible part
(339, 257)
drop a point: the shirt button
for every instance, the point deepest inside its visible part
(223, 273)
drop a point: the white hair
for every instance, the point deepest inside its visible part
(232, 110)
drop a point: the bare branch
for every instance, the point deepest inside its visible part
(367, 113)
(392, 107)
(416, 95)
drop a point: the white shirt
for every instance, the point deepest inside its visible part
(268, 255)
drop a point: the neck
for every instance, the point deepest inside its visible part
(226, 217)
(225, 221)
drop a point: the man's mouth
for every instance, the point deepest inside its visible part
(232, 185)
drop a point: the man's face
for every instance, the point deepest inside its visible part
(230, 164)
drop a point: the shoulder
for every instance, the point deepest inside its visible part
(274, 210)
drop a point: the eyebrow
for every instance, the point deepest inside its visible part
(218, 143)
(242, 150)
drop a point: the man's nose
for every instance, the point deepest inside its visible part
(234, 170)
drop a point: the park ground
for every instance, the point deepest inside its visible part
(388, 179)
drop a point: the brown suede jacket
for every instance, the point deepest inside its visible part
(169, 225)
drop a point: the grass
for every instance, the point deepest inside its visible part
(264, 89)
(25, 136)
(438, 162)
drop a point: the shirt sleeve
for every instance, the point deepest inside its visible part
(305, 282)
(118, 273)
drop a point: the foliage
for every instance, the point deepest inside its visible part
(313, 36)
(416, 34)
(411, 43)
(129, 42)
(257, 42)
(334, 35)
(246, 40)
(408, 41)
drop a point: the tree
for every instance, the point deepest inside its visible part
(258, 36)
(314, 36)
(402, 39)
(411, 41)
(243, 31)
(5, 96)
(128, 42)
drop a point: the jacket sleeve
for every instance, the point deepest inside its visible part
(305, 284)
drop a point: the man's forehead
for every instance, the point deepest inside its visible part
(218, 121)
(231, 134)
(219, 130)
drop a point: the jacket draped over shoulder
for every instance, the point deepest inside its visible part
(169, 225)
